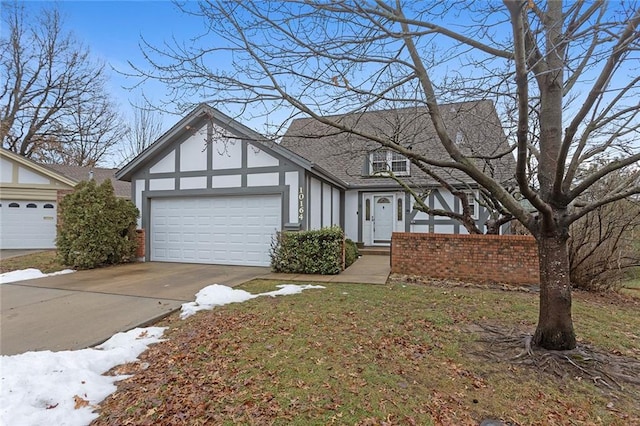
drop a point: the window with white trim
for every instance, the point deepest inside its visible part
(388, 161)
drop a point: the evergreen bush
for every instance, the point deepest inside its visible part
(96, 228)
(308, 252)
(350, 252)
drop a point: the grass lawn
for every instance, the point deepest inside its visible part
(45, 261)
(631, 287)
(390, 354)
(401, 353)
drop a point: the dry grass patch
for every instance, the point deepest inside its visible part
(631, 287)
(363, 354)
(45, 261)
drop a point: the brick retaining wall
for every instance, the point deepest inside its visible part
(509, 259)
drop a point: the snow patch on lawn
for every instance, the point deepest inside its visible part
(218, 295)
(28, 274)
(63, 388)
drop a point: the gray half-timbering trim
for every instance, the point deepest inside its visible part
(209, 152)
(307, 209)
(176, 166)
(432, 205)
(222, 172)
(407, 212)
(244, 163)
(343, 209)
(457, 207)
(433, 220)
(321, 205)
(361, 215)
(197, 118)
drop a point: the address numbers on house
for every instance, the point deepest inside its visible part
(300, 204)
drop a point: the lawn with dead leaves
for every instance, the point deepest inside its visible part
(403, 353)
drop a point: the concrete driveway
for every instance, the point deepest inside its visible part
(79, 310)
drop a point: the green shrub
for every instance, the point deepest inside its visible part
(96, 228)
(350, 252)
(308, 252)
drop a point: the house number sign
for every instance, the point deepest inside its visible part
(300, 204)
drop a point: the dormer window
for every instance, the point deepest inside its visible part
(388, 161)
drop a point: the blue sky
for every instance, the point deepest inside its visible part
(112, 30)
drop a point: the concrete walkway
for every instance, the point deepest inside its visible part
(368, 269)
(82, 309)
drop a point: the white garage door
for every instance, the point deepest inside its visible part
(229, 230)
(27, 224)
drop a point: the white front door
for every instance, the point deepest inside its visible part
(382, 219)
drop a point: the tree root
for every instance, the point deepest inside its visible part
(605, 370)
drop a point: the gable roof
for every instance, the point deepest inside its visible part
(80, 173)
(37, 167)
(71, 175)
(346, 155)
(203, 110)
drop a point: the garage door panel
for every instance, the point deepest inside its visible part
(189, 238)
(234, 230)
(27, 224)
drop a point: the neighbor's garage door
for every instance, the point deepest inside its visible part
(229, 230)
(27, 224)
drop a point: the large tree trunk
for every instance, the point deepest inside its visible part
(555, 326)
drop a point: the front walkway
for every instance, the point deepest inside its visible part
(368, 269)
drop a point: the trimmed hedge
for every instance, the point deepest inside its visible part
(350, 252)
(96, 228)
(311, 252)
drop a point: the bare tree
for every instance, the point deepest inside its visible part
(604, 244)
(86, 136)
(145, 129)
(53, 103)
(567, 72)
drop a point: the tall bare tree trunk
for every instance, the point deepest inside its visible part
(555, 325)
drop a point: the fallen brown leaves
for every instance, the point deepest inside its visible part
(349, 354)
(79, 402)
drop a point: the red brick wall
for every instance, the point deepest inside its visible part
(511, 259)
(140, 250)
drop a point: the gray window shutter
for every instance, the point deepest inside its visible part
(365, 165)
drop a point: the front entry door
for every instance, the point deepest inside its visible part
(382, 219)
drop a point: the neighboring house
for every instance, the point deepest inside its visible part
(29, 198)
(214, 191)
(28, 202)
(211, 190)
(376, 206)
(80, 173)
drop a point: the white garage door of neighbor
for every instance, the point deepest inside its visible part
(228, 230)
(27, 224)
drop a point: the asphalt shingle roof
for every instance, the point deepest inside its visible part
(80, 173)
(345, 155)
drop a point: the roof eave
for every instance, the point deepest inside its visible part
(328, 176)
(40, 168)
